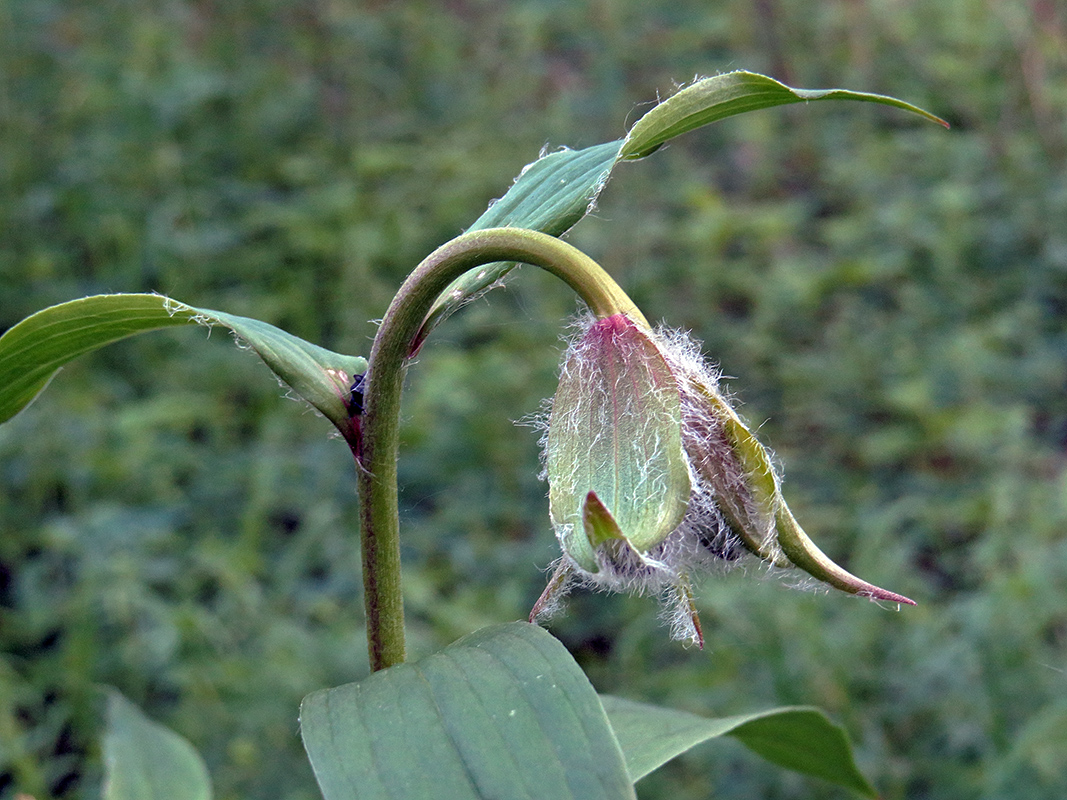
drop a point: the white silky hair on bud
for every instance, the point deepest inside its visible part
(551, 603)
(703, 433)
(621, 569)
(676, 614)
(726, 551)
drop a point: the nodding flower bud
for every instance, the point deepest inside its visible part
(653, 477)
(616, 468)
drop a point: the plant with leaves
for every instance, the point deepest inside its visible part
(653, 478)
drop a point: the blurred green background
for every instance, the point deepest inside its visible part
(891, 297)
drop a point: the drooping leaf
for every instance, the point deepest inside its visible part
(145, 761)
(502, 713)
(32, 351)
(721, 96)
(553, 193)
(797, 738)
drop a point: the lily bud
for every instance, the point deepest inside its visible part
(654, 477)
(617, 473)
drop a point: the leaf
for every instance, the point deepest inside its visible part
(798, 738)
(552, 194)
(712, 99)
(32, 351)
(503, 713)
(145, 761)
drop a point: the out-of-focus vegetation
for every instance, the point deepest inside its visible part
(891, 297)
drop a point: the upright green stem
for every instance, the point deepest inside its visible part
(377, 457)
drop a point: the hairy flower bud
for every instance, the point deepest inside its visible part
(654, 477)
(614, 458)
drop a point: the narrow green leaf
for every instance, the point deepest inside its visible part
(145, 761)
(712, 99)
(550, 195)
(553, 193)
(33, 351)
(797, 738)
(503, 713)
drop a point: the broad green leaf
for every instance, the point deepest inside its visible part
(503, 713)
(32, 351)
(145, 761)
(553, 193)
(798, 738)
(712, 99)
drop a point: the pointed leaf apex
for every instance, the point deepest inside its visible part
(803, 552)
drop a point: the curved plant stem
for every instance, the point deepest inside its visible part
(377, 455)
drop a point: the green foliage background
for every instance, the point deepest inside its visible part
(891, 297)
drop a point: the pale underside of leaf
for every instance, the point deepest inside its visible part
(550, 195)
